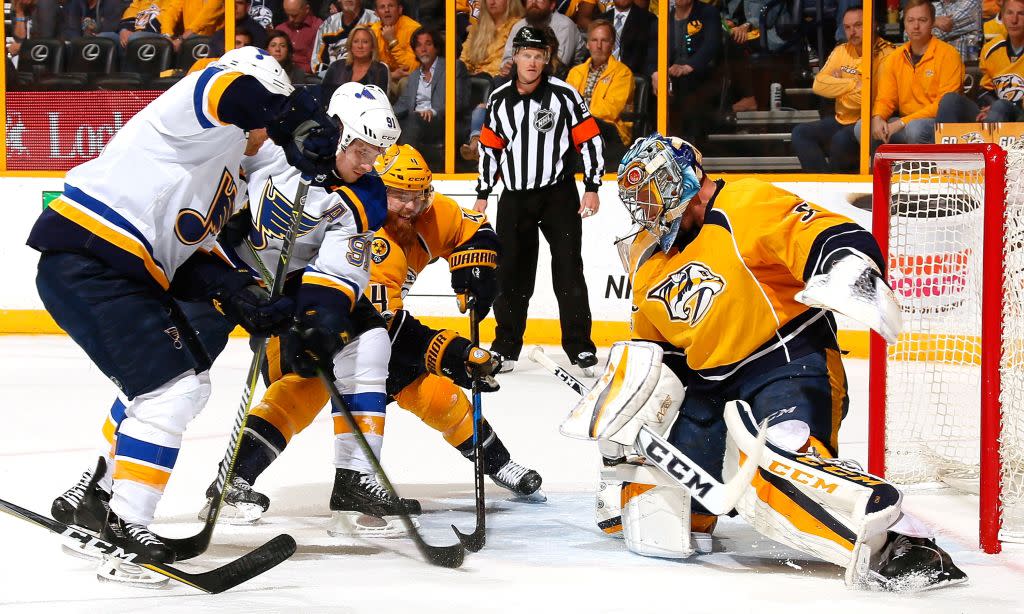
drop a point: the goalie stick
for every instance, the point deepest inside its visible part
(217, 580)
(442, 556)
(189, 547)
(717, 497)
(475, 541)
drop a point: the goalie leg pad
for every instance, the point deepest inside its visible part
(608, 511)
(656, 520)
(634, 390)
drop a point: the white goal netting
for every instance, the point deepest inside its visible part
(933, 382)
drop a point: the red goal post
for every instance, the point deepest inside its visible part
(947, 400)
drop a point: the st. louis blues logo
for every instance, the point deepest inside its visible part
(689, 292)
(274, 217)
(366, 93)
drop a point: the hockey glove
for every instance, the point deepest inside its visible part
(307, 134)
(474, 278)
(252, 308)
(317, 336)
(456, 358)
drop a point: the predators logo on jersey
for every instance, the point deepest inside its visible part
(1009, 87)
(689, 293)
(274, 217)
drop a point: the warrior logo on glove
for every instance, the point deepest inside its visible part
(689, 292)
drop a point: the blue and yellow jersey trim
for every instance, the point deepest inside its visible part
(316, 281)
(100, 220)
(366, 199)
(209, 90)
(143, 462)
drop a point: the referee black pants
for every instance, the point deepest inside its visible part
(552, 209)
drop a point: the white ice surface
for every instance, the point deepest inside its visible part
(538, 558)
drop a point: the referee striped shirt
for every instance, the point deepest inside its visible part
(529, 140)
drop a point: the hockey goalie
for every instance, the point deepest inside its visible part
(734, 375)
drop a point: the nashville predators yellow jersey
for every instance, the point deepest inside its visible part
(1001, 72)
(394, 268)
(725, 296)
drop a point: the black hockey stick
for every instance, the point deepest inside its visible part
(475, 540)
(442, 556)
(189, 547)
(717, 497)
(214, 581)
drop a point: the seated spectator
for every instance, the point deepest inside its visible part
(913, 80)
(279, 46)
(829, 144)
(958, 22)
(541, 14)
(360, 63)
(580, 11)
(990, 8)
(1002, 77)
(485, 43)
(393, 32)
(330, 42)
(187, 18)
(694, 47)
(421, 108)
(32, 19)
(92, 18)
(606, 85)
(147, 18)
(993, 28)
(243, 21)
(301, 27)
(636, 36)
(242, 38)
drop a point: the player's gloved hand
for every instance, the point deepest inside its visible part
(456, 358)
(252, 308)
(236, 229)
(307, 134)
(318, 334)
(474, 278)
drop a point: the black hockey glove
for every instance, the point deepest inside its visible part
(236, 229)
(252, 308)
(307, 134)
(474, 278)
(456, 358)
(317, 336)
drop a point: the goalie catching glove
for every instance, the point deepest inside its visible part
(853, 286)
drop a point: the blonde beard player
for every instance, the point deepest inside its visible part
(734, 285)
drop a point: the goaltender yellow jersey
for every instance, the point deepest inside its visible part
(442, 228)
(724, 295)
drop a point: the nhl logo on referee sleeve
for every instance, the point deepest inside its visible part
(544, 120)
(379, 250)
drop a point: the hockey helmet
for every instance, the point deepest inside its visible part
(365, 114)
(403, 168)
(530, 37)
(657, 178)
(260, 64)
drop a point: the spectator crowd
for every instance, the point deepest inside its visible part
(942, 61)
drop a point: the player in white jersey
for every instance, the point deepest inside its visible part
(135, 230)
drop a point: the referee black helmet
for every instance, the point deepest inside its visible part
(531, 38)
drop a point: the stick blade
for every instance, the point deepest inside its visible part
(244, 568)
(445, 556)
(474, 542)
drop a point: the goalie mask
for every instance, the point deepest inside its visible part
(657, 178)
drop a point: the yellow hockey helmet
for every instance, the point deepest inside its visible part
(403, 168)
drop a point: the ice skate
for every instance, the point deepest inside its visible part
(523, 482)
(138, 539)
(910, 564)
(361, 507)
(84, 504)
(242, 504)
(505, 365)
(586, 361)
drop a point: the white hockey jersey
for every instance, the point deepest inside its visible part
(335, 233)
(161, 189)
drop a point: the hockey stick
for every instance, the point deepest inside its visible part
(442, 556)
(716, 497)
(189, 547)
(214, 581)
(475, 540)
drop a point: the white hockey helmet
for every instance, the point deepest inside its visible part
(365, 114)
(258, 63)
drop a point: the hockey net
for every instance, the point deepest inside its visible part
(947, 400)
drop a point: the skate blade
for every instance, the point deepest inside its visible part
(702, 543)
(356, 524)
(909, 584)
(79, 550)
(235, 513)
(536, 497)
(121, 572)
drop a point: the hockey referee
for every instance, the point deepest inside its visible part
(535, 124)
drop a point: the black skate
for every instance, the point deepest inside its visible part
(242, 504)
(911, 564)
(586, 361)
(362, 507)
(84, 504)
(522, 481)
(136, 538)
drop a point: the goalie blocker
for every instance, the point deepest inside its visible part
(781, 477)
